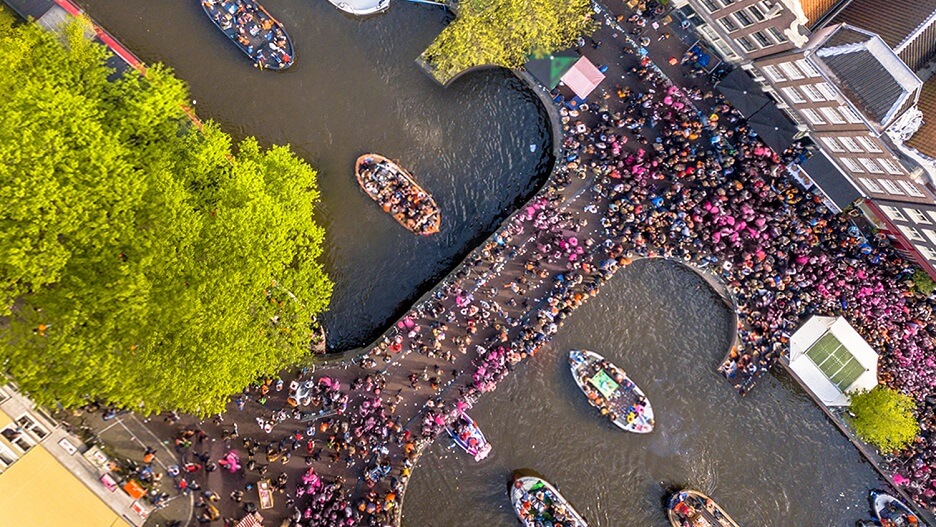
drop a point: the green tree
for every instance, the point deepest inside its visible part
(884, 418)
(143, 261)
(505, 32)
(923, 283)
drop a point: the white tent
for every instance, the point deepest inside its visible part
(583, 77)
(832, 359)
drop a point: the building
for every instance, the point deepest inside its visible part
(744, 30)
(48, 478)
(911, 227)
(831, 360)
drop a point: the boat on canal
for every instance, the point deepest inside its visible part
(395, 190)
(690, 508)
(466, 434)
(610, 390)
(891, 512)
(536, 503)
(253, 30)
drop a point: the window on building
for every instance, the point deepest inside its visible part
(7, 457)
(793, 94)
(762, 39)
(871, 185)
(851, 164)
(833, 116)
(827, 91)
(777, 34)
(774, 73)
(890, 187)
(710, 5)
(927, 252)
(911, 233)
(757, 13)
(727, 3)
(910, 188)
(850, 114)
(931, 214)
(791, 71)
(18, 437)
(743, 18)
(930, 235)
(832, 144)
(807, 68)
(811, 92)
(30, 425)
(890, 166)
(870, 165)
(812, 116)
(728, 24)
(917, 216)
(868, 144)
(746, 44)
(850, 144)
(893, 213)
(3, 395)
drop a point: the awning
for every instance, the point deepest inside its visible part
(583, 78)
(550, 69)
(742, 92)
(773, 127)
(833, 183)
(251, 520)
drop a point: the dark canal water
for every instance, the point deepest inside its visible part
(355, 88)
(771, 459)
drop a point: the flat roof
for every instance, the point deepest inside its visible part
(37, 491)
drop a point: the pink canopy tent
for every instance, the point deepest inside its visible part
(583, 78)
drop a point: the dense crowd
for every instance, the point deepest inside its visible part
(399, 196)
(255, 31)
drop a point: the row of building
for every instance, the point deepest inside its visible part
(853, 80)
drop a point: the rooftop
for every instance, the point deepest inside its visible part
(909, 30)
(924, 140)
(868, 72)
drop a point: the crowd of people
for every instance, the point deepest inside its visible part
(258, 34)
(398, 195)
(664, 172)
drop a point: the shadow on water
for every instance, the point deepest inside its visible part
(481, 146)
(770, 459)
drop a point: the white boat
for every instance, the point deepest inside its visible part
(466, 434)
(610, 390)
(892, 512)
(536, 503)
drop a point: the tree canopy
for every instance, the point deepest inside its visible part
(505, 32)
(884, 418)
(144, 262)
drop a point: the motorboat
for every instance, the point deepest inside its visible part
(466, 434)
(609, 389)
(891, 512)
(537, 503)
(690, 508)
(253, 30)
(398, 194)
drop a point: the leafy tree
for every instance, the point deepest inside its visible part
(884, 418)
(505, 32)
(143, 261)
(923, 283)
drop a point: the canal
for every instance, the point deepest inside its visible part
(771, 458)
(481, 147)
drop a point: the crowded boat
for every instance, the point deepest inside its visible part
(891, 512)
(260, 36)
(689, 508)
(610, 390)
(398, 194)
(539, 504)
(466, 434)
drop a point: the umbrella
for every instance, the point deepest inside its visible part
(742, 92)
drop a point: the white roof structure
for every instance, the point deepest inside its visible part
(832, 359)
(583, 78)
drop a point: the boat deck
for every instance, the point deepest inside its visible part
(258, 34)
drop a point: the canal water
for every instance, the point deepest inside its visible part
(770, 459)
(481, 146)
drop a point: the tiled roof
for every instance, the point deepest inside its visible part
(903, 26)
(815, 9)
(924, 139)
(868, 72)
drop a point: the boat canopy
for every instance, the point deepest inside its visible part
(604, 384)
